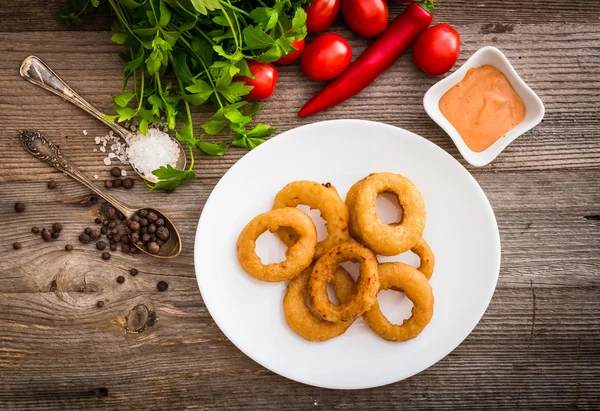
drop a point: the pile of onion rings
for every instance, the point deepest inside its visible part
(307, 308)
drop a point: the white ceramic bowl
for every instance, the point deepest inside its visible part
(533, 104)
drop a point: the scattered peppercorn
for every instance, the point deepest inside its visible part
(133, 272)
(108, 183)
(52, 185)
(87, 230)
(113, 247)
(19, 207)
(115, 231)
(125, 248)
(57, 227)
(46, 234)
(17, 245)
(134, 250)
(120, 279)
(115, 172)
(104, 230)
(112, 224)
(106, 255)
(153, 248)
(111, 213)
(162, 286)
(128, 183)
(69, 247)
(98, 220)
(118, 183)
(105, 222)
(95, 234)
(35, 230)
(55, 234)
(100, 304)
(83, 238)
(125, 239)
(101, 245)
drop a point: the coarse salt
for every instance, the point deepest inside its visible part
(85, 132)
(152, 151)
(107, 161)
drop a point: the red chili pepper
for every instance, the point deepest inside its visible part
(377, 58)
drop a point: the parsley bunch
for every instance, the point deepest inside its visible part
(183, 53)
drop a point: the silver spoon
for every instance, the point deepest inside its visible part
(34, 70)
(42, 148)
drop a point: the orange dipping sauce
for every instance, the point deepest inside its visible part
(483, 107)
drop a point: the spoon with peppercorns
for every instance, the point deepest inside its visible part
(150, 230)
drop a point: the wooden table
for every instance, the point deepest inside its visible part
(538, 345)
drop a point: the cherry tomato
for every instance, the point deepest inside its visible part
(437, 49)
(293, 56)
(320, 14)
(265, 78)
(367, 18)
(326, 57)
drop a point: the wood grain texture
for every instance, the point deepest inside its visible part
(537, 346)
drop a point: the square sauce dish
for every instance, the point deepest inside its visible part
(486, 56)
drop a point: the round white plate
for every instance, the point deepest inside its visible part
(461, 230)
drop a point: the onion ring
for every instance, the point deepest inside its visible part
(389, 239)
(426, 256)
(299, 316)
(401, 277)
(323, 273)
(298, 257)
(326, 199)
(350, 203)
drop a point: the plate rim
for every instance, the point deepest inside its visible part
(288, 134)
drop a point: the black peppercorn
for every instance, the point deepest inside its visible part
(104, 230)
(143, 213)
(106, 255)
(83, 238)
(101, 245)
(87, 230)
(120, 215)
(134, 250)
(125, 239)
(133, 272)
(35, 230)
(145, 238)
(55, 234)
(52, 185)
(100, 304)
(151, 228)
(112, 224)
(159, 222)
(125, 248)
(144, 230)
(113, 247)
(163, 233)
(19, 207)
(134, 237)
(128, 183)
(120, 279)
(98, 220)
(152, 216)
(159, 242)
(136, 218)
(134, 225)
(115, 231)
(109, 236)
(118, 183)
(111, 212)
(69, 247)
(153, 237)
(95, 234)
(108, 183)
(143, 222)
(17, 245)
(153, 248)
(115, 172)
(57, 227)
(162, 286)
(117, 238)
(46, 234)
(105, 222)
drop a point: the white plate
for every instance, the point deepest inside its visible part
(461, 230)
(534, 108)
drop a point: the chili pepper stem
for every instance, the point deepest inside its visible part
(427, 5)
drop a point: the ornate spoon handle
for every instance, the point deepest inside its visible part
(44, 149)
(34, 70)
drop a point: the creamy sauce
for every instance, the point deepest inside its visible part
(482, 107)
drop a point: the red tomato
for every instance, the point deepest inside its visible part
(437, 49)
(320, 14)
(293, 56)
(326, 57)
(265, 78)
(366, 18)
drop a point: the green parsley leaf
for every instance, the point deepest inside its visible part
(143, 126)
(234, 91)
(214, 149)
(165, 14)
(119, 38)
(123, 99)
(261, 130)
(202, 6)
(265, 17)
(256, 38)
(246, 142)
(131, 4)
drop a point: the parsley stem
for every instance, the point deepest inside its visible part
(237, 23)
(141, 97)
(237, 43)
(83, 9)
(123, 21)
(210, 78)
(232, 7)
(205, 35)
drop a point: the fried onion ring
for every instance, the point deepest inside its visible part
(323, 273)
(299, 316)
(426, 256)
(326, 199)
(351, 203)
(298, 257)
(389, 239)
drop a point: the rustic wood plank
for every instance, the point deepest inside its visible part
(40, 15)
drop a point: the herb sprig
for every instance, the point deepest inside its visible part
(184, 53)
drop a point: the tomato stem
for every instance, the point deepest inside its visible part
(427, 5)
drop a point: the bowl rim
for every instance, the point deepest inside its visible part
(534, 105)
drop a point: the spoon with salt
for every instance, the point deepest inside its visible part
(34, 70)
(42, 148)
